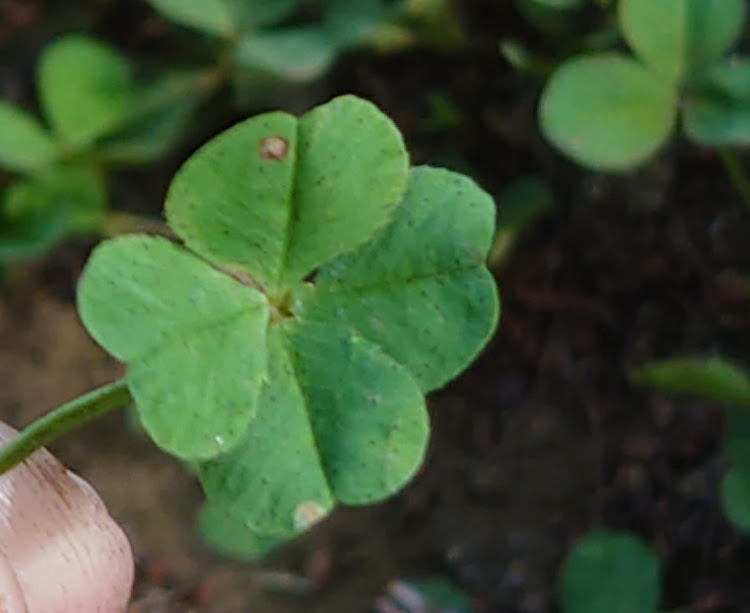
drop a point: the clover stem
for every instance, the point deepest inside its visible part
(62, 420)
(737, 177)
(116, 223)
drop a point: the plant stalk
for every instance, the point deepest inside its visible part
(737, 176)
(62, 420)
(116, 223)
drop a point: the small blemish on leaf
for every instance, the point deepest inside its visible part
(273, 148)
(308, 513)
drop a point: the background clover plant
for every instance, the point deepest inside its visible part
(728, 384)
(608, 571)
(612, 111)
(284, 347)
(555, 19)
(297, 40)
(95, 114)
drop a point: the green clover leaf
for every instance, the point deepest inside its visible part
(193, 338)
(680, 38)
(420, 288)
(38, 212)
(295, 54)
(611, 112)
(224, 18)
(322, 288)
(735, 484)
(416, 295)
(610, 571)
(84, 86)
(339, 421)
(24, 146)
(276, 197)
(714, 378)
(91, 102)
(735, 498)
(717, 113)
(211, 16)
(607, 111)
(157, 118)
(258, 13)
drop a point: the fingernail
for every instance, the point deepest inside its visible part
(58, 541)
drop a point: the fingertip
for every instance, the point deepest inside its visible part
(11, 596)
(66, 552)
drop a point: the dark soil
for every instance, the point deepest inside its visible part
(541, 440)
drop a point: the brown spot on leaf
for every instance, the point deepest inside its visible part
(308, 513)
(273, 148)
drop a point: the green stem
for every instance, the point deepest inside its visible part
(62, 420)
(736, 175)
(116, 223)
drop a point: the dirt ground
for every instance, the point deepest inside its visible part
(541, 440)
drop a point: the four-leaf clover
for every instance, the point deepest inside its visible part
(321, 288)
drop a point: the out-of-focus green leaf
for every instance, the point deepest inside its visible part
(157, 119)
(437, 592)
(209, 16)
(253, 14)
(561, 5)
(349, 22)
(735, 497)
(607, 111)
(523, 60)
(434, 22)
(610, 572)
(737, 440)
(714, 378)
(85, 87)
(550, 17)
(29, 238)
(522, 202)
(24, 144)
(293, 54)
(39, 212)
(225, 18)
(718, 113)
(680, 38)
(735, 486)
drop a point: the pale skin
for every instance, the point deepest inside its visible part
(60, 550)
